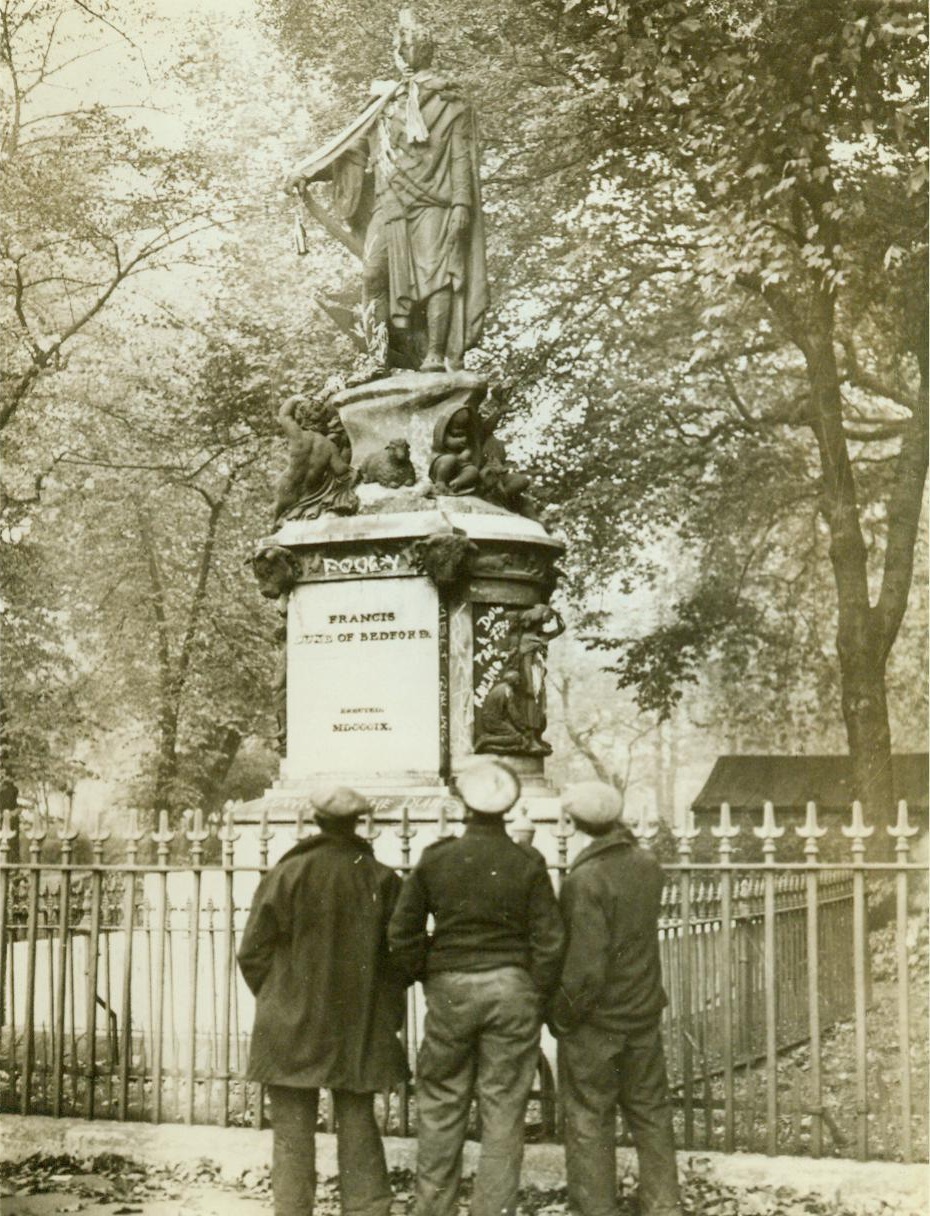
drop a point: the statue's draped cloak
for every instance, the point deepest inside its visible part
(416, 185)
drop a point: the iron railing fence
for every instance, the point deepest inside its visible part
(120, 997)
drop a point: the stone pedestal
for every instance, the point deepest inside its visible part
(401, 622)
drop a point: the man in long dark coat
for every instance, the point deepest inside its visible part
(606, 1013)
(329, 1005)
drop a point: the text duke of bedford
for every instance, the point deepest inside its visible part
(369, 635)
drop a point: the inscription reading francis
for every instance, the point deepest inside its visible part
(359, 700)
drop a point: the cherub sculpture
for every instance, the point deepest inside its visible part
(456, 465)
(317, 479)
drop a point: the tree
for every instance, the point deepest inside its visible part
(131, 615)
(829, 248)
(74, 229)
(709, 249)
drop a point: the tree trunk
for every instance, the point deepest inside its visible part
(865, 713)
(9, 789)
(862, 656)
(166, 768)
(174, 672)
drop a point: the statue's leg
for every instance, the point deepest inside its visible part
(376, 293)
(438, 318)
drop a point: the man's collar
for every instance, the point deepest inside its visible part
(619, 837)
(322, 838)
(494, 826)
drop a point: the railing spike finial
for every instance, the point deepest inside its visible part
(564, 828)
(810, 832)
(227, 832)
(132, 835)
(264, 828)
(196, 833)
(448, 807)
(132, 831)
(162, 836)
(857, 831)
(7, 831)
(405, 829)
(370, 831)
(99, 834)
(36, 830)
(724, 832)
(67, 832)
(769, 831)
(687, 832)
(645, 827)
(901, 831)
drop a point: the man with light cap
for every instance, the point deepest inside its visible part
(606, 1013)
(488, 967)
(328, 1005)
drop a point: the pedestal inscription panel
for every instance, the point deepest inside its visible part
(363, 678)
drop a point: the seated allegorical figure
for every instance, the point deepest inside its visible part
(502, 729)
(317, 478)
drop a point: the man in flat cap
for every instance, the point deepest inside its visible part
(329, 1004)
(606, 1013)
(488, 967)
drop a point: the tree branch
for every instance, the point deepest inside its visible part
(904, 508)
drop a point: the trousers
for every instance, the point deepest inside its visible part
(602, 1070)
(363, 1178)
(481, 1038)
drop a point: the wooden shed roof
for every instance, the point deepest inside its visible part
(746, 782)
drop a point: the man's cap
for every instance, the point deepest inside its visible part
(592, 802)
(488, 786)
(339, 802)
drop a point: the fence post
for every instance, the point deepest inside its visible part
(858, 833)
(99, 836)
(67, 835)
(725, 834)
(687, 1013)
(406, 831)
(35, 836)
(810, 833)
(7, 834)
(768, 833)
(196, 834)
(265, 836)
(228, 838)
(162, 838)
(564, 830)
(132, 836)
(900, 833)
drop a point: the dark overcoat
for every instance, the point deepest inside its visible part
(612, 975)
(329, 1002)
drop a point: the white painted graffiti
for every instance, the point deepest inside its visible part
(367, 563)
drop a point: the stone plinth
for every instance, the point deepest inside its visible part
(416, 628)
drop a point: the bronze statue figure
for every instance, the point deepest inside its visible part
(405, 177)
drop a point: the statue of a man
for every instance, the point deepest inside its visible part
(423, 261)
